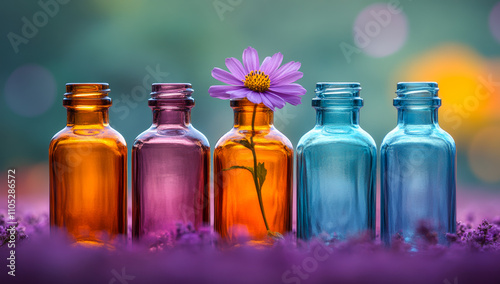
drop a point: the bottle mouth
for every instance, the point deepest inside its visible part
(417, 89)
(87, 94)
(171, 90)
(87, 90)
(337, 89)
(165, 95)
(337, 94)
(417, 94)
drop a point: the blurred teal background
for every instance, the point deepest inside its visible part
(131, 44)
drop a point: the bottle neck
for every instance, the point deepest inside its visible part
(247, 114)
(87, 104)
(337, 117)
(85, 117)
(417, 103)
(171, 117)
(417, 116)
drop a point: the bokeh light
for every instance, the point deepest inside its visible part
(30, 90)
(484, 154)
(466, 87)
(380, 29)
(494, 85)
(495, 22)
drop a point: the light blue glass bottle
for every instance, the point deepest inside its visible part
(336, 168)
(417, 168)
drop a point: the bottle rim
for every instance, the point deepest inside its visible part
(87, 94)
(337, 94)
(86, 90)
(417, 94)
(171, 91)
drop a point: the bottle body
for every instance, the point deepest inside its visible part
(88, 166)
(336, 166)
(417, 169)
(170, 167)
(240, 209)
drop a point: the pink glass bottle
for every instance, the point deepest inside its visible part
(170, 167)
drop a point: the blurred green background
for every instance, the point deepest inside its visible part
(131, 44)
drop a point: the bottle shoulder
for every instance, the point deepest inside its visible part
(178, 135)
(71, 137)
(320, 136)
(400, 136)
(270, 136)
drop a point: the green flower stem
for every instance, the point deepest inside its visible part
(257, 186)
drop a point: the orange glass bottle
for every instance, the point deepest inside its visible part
(250, 205)
(88, 170)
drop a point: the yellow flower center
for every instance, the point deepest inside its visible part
(257, 81)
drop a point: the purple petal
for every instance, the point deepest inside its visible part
(268, 103)
(254, 97)
(291, 89)
(270, 64)
(275, 100)
(291, 99)
(235, 67)
(222, 91)
(218, 94)
(240, 93)
(250, 59)
(289, 67)
(287, 78)
(225, 77)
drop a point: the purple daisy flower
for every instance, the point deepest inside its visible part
(267, 83)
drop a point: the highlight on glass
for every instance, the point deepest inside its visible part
(170, 167)
(88, 170)
(336, 168)
(253, 161)
(417, 168)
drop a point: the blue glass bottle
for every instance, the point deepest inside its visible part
(336, 168)
(417, 168)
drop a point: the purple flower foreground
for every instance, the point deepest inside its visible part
(188, 256)
(267, 83)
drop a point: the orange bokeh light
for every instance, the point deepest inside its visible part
(467, 87)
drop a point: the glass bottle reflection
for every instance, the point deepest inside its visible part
(336, 167)
(170, 167)
(417, 168)
(239, 209)
(88, 188)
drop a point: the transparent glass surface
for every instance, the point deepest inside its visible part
(417, 168)
(88, 170)
(238, 214)
(170, 167)
(336, 168)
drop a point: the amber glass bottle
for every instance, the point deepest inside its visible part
(88, 160)
(242, 212)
